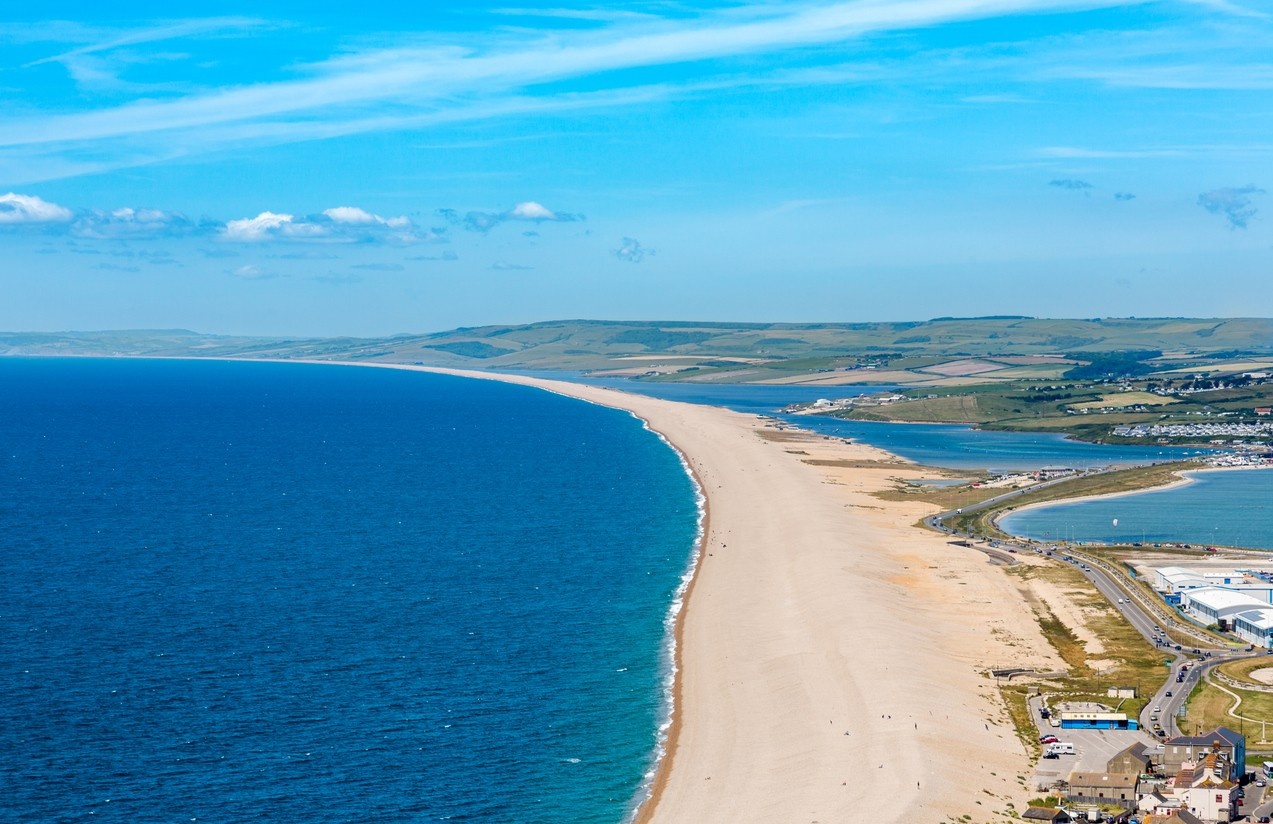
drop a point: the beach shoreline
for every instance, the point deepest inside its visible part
(792, 579)
(834, 664)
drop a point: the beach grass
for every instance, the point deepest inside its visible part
(1127, 658)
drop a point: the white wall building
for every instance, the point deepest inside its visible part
(1255, 627)
(1213, 604)
(1179, 580)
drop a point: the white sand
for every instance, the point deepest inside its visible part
(832, 653)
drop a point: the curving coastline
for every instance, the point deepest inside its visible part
(825, 661)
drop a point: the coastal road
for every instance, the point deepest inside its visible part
(937, 521)
(1171, 637)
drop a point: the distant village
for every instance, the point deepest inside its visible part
(1106, 769)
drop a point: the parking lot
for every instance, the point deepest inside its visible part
(1095, 749)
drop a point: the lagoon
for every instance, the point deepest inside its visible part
(1218, 507)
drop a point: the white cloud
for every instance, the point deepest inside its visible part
(526, 210)
(354, 216)
(16, 208)
(530, 210)
(265, 226)
(339, 224)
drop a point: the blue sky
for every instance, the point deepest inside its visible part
(305, 170)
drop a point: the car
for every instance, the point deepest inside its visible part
(1048, 739)
(1157, 709)
(1050, 755)
(1259, 782)
(1168, 693)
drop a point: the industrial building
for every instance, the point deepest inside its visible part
(1215, 605)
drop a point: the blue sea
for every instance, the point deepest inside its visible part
(1228, 508)
(287, 592)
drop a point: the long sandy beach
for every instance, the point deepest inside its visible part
(832, 654)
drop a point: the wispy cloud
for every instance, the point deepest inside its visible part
(250, 271)
(1076, 152)
(378, 267)
(1071, 184)
(527, 211)
(631, 250)
(1232, 203)
(502, 266)
(350, 93)
(169, 31)
(340, 224)
(133, 223)
(1124, 196)
(445, 256)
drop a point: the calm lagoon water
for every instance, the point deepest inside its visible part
(285, 592)
(1228, 507)
(946, 445)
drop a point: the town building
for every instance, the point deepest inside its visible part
(1086, 720)
(1103, 788)
(1135, 758)
(1228, 745)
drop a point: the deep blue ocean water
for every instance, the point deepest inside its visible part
(235, 591)
(1230, 508)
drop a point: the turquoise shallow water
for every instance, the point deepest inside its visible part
(238, 591)
(1229, 508)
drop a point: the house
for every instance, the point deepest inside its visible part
(1229, 745)
(1104, 788)
(1175, 817)
(1264, 411)
(1134, 759)
(1204, 791)
(1050, 814)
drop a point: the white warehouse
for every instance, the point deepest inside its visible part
(1255, 627)
(1179, 580)
(1213, 604)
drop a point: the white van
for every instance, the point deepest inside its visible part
(1060, 748)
